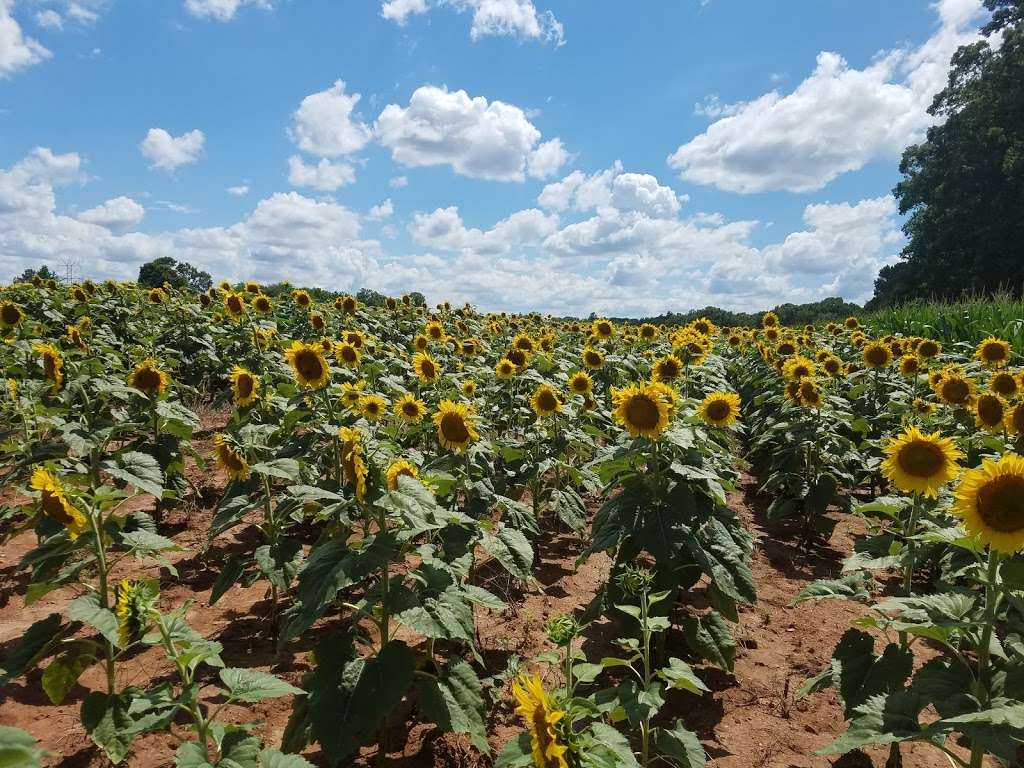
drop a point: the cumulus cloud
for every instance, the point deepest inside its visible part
(837, 120)
(444, 230)
(324, 125)
(381, 211)
(481, 139)
(612, 189)
(119, 213)
(326, 176)
(168, 152)
(398, 182)
(17, 51)
(221, 10)
(49, 19)
(518, 19)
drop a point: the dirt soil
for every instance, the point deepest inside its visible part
(750, 719)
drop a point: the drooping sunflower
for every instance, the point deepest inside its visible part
(668, 368)
(11, 314)
(55, 503)
(244, 386)
(954, 388)
(156, 296)
(810, 394)
(409, 409)
(876, 355)
(519, 357)
(426, 367)
(373, 407)
(132, 606)
(234, 304)
(352, 461)
(990, 503)
(347, 354)
(581, 383)
(309, 366)
(593, 359)
(720, 409)
(641, 409)
(993, 352)
(544, 401)
(922, 406)
(505, 369)
(230, 459)
(989, 412)
(455, 426)
(400, 468)
(53, 363)
(921, 463)
(538, 709)
(149, 378)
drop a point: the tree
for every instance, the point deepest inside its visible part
(43, 273)
(178, 274)
(964, 186)
(370, 298)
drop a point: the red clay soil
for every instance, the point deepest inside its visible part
(750, 719)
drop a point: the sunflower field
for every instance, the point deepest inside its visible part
(242, 531)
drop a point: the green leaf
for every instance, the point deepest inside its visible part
(882, 719)
(512, 549)
(569, 508)
(678, 674)
(271, 758)
(230, 573)
(454, 701)
(287, 469)
(178, 420)
(851, 586)
(518, 753)
(88, 610)
(33, 642)
(860, 674)
(138, 469)
(62, 673)
(710, 637)
(446, 615)
(18, 749)
(146, 542)
(106, 720)
(250, 685)
(680, 746)
(280, 562)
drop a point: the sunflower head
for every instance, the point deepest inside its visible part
(347, 354)
(352, 461)
(523, 342)
(921, 463)
(993, 352)
(954, 388)
(602, 329)
(581, 383)
(351, 392)
(910, 365)
(373, 407)
(989, 412)
(593, 359)
(455, 426)
(149, 378)
(922, 406)
(720, 409)
(642, 410)
(928, 348)
(832, 365)
(234, 304)
(262, 304)
(469, 388)
(409, 409)
(347, 304)
(426, 367)
(876, 355)
(544, 401)
(55, 503)
(810, 394)
(648, 332)
(400, 468)
(1004, 384)
(668, 368)
(53, 363)
(11, 314)
(244, 386)
(799, 367)
(301, 298)
(769, 320)
(505, 369)
(308, 364)
(156, 296)
(133, 606)
(229, 458)
(543, 718)
(434, 331)
(990, 503)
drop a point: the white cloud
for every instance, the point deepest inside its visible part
(381, 211)
(519, 19)
(713, 107)
(119, 213)
(221, 10)
(612, 189)
(323, 124)
(398, 182)
(836, 121)
(16, 50)
(444, 230)
(480, 139)
(168, 152)
(84, 13)
(326, 176)
(49, 19)
(240, 190)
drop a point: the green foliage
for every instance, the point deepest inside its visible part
(177, 274)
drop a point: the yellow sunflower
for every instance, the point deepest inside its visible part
(1014, 420)
(993, 352)
(262, 304)
(455, 426)
(810, 394)
(989, 412)
(641, 409)
(538, 709)
(648, 332)
(668, 368)
(524, 342)
(148, 377)
(373, 407)
(1004, 383)
(593, 359)
(928, 348)
(55, 503)
(409, 409)
(229, 458)
(11, 314)
(922, 406)
(799, 367)
(400, 468)
(544, 401)
(990, 503)
(426, 367)
(347, 354)
(131, 608)
(350, 393)
(581, 383)
(769, 320)
(954, 388)
(301, 298)
(244, 386)
(352, 461)
(505, 369)
(876, 355)
(53, 363)
(469, 388)
(921, 463)
(308, 364)
(910, 365)
(346, 304)
(720, 409)
(234, 303)
(602, 329)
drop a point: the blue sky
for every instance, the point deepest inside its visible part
(558, 155)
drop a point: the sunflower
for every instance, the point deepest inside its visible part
(409, 409)
(1014, 420)
(350, 393)
(720, 409)
(373, 407)
(352, 460)
(469, 347)
(769, 320)
(538, 709)
(455, 427)
(785, 348)
(1004, 384)
(832, 365)
(810, 394)
(641, 409)
(347, 354)
(131, 607)
(346, 304)
(426, 367)
(205, 300)
(308, 364)
(156, 296)
(234, 303)
(581, 383)
(11, 314)
(921, 463)
(990, 503)
(799, 367)
(230, 459)
(593, 358)
(149, 378)
(910, 365)
(53, 363)
(262, 304)
(602, 329)
(244, 386)
(469, 388)
(989, 412)
(648, 332)
(544, 401)
(922, 406)
(524, 342)
(400, 468)
(301, 298)
(954, 388)
(668, 368)
(852, 323)
(505, 369)
(928, 348)
(703, 326)
(55, 503)
(993, 352)
(876, 355)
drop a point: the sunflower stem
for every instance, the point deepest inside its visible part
(981, 684)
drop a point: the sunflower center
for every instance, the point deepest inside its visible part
(579, 385)
(1004, 384)
(718, 410)
(1017, 418)
(53, 506)
(11, 314)
(921, 459)
(993, 352)
(876, 356)
(427, 368)
(348, 354)
(50, 366)
(245, 385)
(410, 409)
(642, 412)
(1001, 503)
(669, 370)
(231, 460)
(147, 379)
(990, 411)
(956, 390)
(454, 428)
(547, 400)
(235, 304)
(309, 365)
(927, 349)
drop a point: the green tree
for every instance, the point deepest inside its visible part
(964, 185)
(43, 273)
(178, 274)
